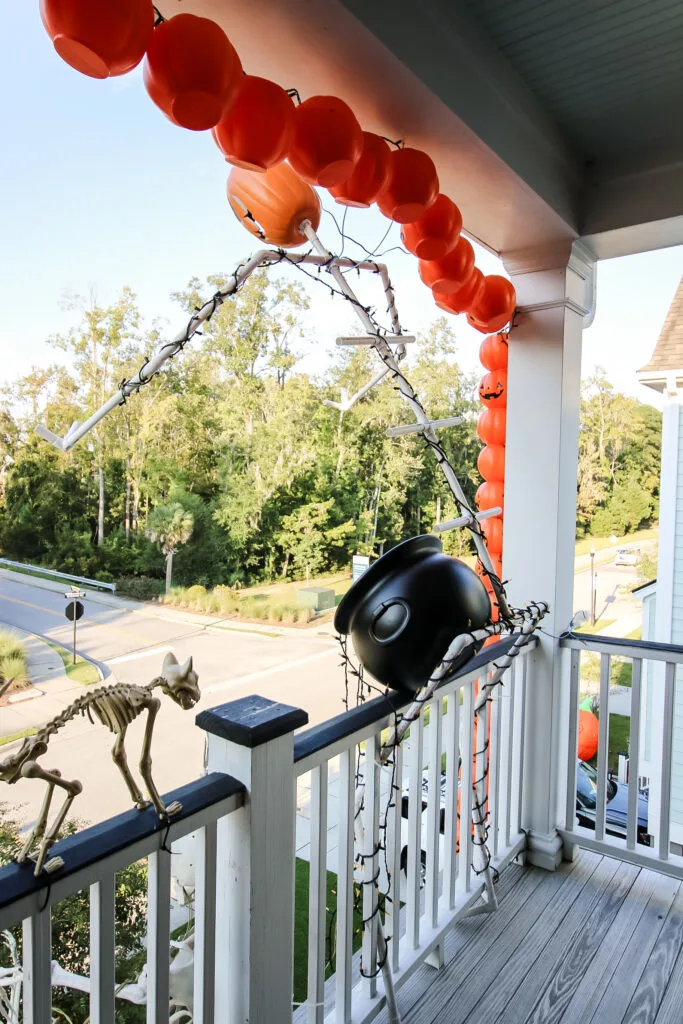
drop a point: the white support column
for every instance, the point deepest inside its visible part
(252, 739)
(554, 293)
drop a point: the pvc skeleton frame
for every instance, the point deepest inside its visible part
(524, 621)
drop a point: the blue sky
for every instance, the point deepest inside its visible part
(99, 190)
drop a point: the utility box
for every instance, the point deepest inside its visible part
(317, 598)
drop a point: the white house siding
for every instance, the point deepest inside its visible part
(677, 638)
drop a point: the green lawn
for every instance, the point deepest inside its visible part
(600, 624)
(584, 545)
(83, 672)
(17, 736)
(301, 883)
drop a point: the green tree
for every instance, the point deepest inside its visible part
(307, 537)
(169, 526)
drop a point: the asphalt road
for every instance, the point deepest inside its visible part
(614, 584)
(301, 668)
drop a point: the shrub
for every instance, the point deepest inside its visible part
(195, 592)
(139, 588)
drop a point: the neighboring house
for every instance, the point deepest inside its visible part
(663, 598)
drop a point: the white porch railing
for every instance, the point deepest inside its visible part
(653, 849)
(421, 851)
(424, 857)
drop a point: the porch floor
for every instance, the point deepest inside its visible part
(598, 940)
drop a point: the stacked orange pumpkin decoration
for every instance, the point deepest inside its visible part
(194, 75)
(491, 463)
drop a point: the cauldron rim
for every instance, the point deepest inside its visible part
(426, 542)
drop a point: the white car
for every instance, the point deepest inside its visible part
(627, 556)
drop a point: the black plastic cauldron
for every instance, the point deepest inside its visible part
(407, 608)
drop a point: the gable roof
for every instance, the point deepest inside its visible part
(668, 353)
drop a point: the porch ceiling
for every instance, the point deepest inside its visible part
(547, 119)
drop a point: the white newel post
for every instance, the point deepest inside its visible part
(554, 293)
(252, 739)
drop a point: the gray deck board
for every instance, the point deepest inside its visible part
(598, 941)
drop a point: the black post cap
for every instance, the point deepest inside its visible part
(251, 721)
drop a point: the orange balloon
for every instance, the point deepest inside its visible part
(493, 389)
(192, 71)
(492, 426)
(258, 129)
(448, 275)
(493, 353)
(493, 531)
(99, 39)
(491, 462)
(412, 187)
(490, 494)
(493, 308)
(589, 733)
(436, 233)
(328, 141)
(458, 302)
(368, 177)
(273, 204)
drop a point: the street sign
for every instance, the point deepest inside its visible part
(74, 610)
(359, 565)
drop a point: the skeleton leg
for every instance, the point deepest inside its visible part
(118, 753)
(32, 770)
(38, 830)
(146, 762)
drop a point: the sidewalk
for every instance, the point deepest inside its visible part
(50, 692)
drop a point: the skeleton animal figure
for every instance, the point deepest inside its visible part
(116, 707)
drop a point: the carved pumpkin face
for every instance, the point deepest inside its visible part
(493, 389)
(273, 205)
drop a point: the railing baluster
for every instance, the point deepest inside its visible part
(509, 733)
(370, 864)
(414, 869)
(317, 895)
(520, 689)
(205, 925)
(466, 754)
(494, 770)
(634, 755)
(345, 901)
(102, 950)
(158, 935)
(603, 745)
(37, 967)
(433, 813)
(452, 748)
(667, 744)
(573, 742)
(394, 845)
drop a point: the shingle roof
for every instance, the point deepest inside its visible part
(668, 353)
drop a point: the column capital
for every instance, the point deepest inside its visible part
(556, 275)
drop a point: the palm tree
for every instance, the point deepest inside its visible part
(169, 526)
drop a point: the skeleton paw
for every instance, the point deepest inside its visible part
(54, 864)
(142, 805)
(173, 809)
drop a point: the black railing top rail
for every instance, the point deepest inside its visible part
(117, 835)
(640, 647)
(348, 722)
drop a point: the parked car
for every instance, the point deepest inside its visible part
(627, 556)
(616, 809)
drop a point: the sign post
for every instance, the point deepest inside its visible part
(73, 611)
(359, 565)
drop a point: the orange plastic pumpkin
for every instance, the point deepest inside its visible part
(436, 233)
(449, 274)
(412, 188)
(257, 131)
(493, 353)
(492, 426)
(493, 388)
(327, 143)
(192, 71)
(494, 305)
(272, 205)
(99, 39)
(491, 462)
(490, 494)
(589, 735)
(493, 531)
(369, 176)
(458, 302)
